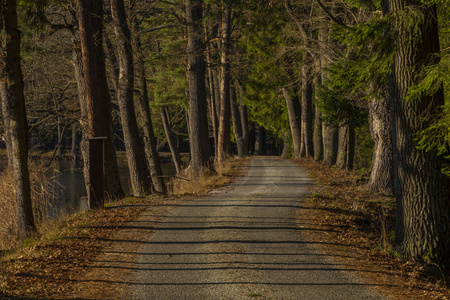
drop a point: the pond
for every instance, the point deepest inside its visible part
(69, 191)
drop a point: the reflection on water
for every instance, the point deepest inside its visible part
(69, 192)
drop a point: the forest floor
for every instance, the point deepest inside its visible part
(59, 263)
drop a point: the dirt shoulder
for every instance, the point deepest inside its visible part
(358, 227)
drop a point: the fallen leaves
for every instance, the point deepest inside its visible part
(360, 222)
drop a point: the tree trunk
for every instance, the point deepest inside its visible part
(145, 116)
(286, 146)
(18, 127)
(198, 121)
(137, 163)
(306, 110)
(98, 107)
(244, 121)
(6, 114)
(293, 108)
(341, 160)
(237, 125)
(318, 137)
(422, 227)
(171, 141)
(330, 145)
(380, 130)
(259, 139)
(224, 123)
(212, 96)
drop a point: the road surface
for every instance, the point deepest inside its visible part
(242, 242)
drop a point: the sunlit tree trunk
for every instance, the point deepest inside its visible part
(171, 141)
(422, 192)
(98, 107)
(224, 122)
(237, 124)
(380, 130)
(137, 162)
(306, 110)
(198, 122)
(18, 127)
(293, 108)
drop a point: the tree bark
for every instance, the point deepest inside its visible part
(244, 121)
(137, 163)
(98, 107)
(380, 130)
(198, 122)
(145, 116)
(212, 96)
(294, 113)
(286, 146)
(341, 160)
(259, 139)
(224, 122)
(351, 147)
(6, 114)
(171, 141)
(237, 124)
(306, 110)
(18, 127)
(422, 227)
(330, 145)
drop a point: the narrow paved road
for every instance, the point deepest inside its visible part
(242, 242)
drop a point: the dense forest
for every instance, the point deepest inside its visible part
(358, 84)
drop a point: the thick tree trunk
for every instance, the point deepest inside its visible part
(306, 110)
(293, 108)
(18, 127)
(198, 122)
(422, 192)
(224, 122)
(380, 130)
(98, 107)
(171, 141)
(237, 124)
(81, 86)
(137, 163)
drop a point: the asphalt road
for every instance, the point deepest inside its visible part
(242, 242)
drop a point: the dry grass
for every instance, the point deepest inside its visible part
(8, 226)
(40, 191)
(224, 173)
